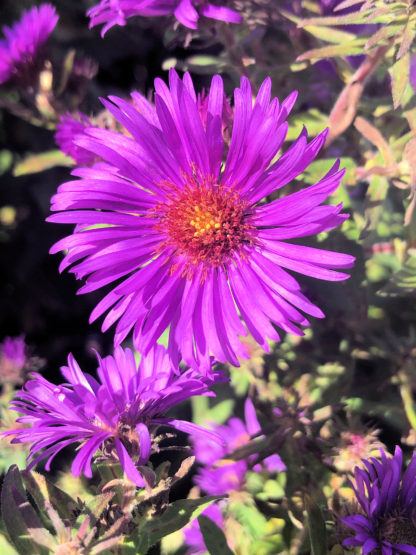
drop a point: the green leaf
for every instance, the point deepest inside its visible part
(399, 73)
(314, 121)
(346, 49)
(316, 528)
(204, 64)
(175, 517)
(214, 537)
(6, 548)
(42, 490)
(6, 159)
(18, 515)
(36, 163)
(329, 34)
(403, 282)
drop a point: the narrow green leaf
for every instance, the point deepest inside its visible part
(347, 49)
(329, 34)
(36, 163)
(316, 528)
(214, 537)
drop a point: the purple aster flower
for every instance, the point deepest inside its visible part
(115, 12)
(20, 49)
(218, 479)
(119, 413)
(14, 359)
(193, 536)
(386, 524)
(68, 128)
(187, 233)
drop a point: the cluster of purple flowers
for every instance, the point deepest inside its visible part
(182, 215)
(176, 214)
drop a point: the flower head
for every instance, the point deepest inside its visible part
(68, 128)
(19, 50)
(193, 237)
(119, 413)
(386, 524)
(187, 12)
(220, 475)
(14, 359)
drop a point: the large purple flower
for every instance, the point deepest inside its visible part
(387, 523)
(193, 235)
(218, 478)
(120, 413)
(116, 12)
(19, 50)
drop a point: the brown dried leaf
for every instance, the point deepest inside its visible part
(373, 135)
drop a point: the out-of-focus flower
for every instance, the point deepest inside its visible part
(187, 12)
(412, 71)
(120, 413)
(193, 536)
(386, 523)
(20, 49)
(192, 234)
(355, 446)
(14, 359)
(220, 475)
(67, 130)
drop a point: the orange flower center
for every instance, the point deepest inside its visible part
(206, 222)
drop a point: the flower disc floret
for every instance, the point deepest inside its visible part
(184, 227)
(119, 413)
(205, 222)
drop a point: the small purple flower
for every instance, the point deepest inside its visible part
(387, 498)
(119, 413)
(14, 359)
(20, 49)
(187, 12)
(186, 230)
(67, 130)
(228, 475)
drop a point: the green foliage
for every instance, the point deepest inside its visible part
(35, 163)
(214, 538)
(177, 515)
